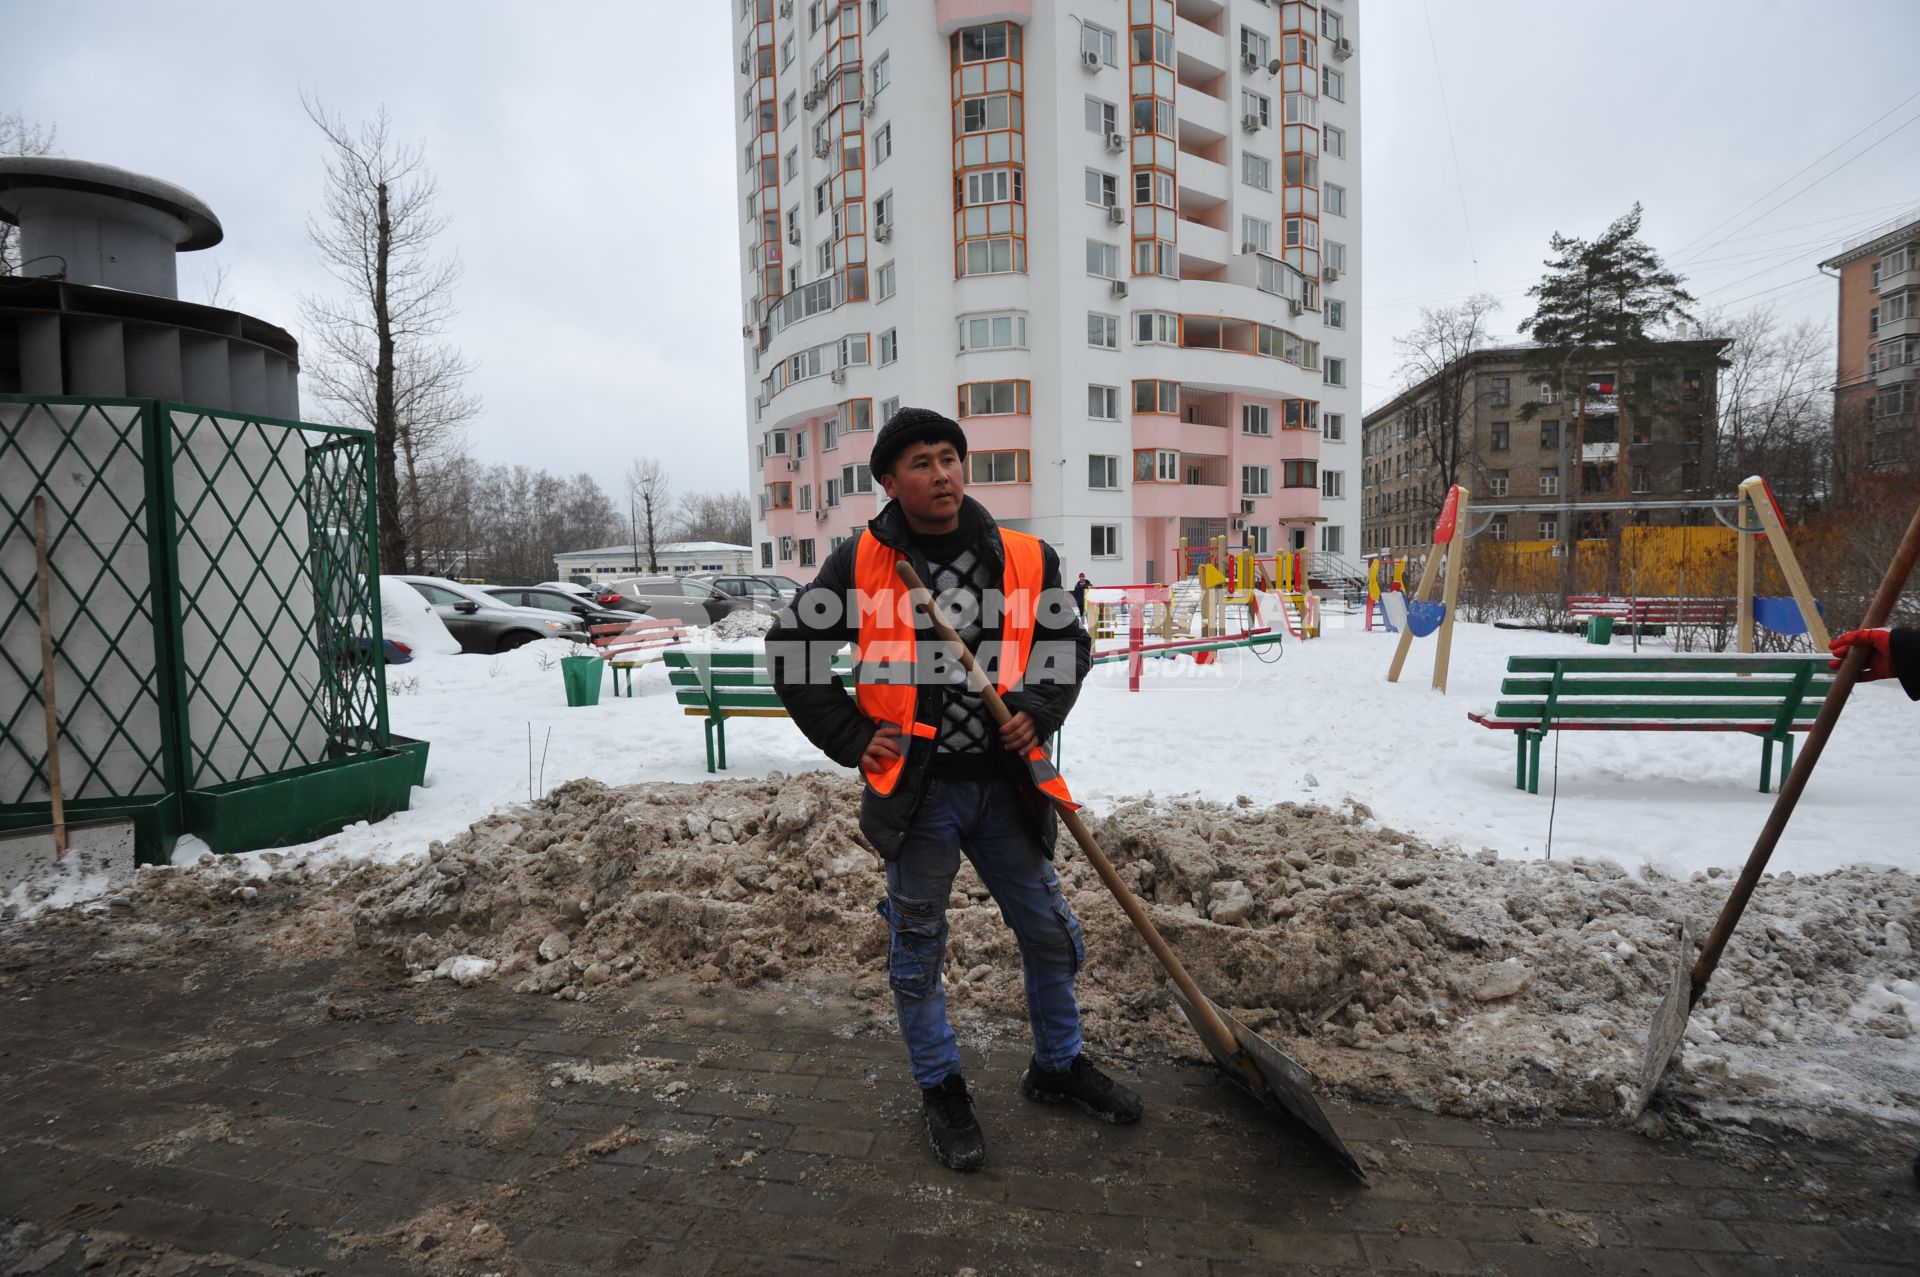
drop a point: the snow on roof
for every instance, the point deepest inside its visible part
(665, 547)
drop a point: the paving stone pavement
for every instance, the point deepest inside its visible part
(235, 1114)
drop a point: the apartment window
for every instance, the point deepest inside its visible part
(1256, 419)
(1256, 170)
(1103, 472)
(1333, 84)
(786, 53)
(1101, 41)
(1256, 106)
(995, 186)
(1333, 483)
(1151, 186)
(1549, 485)
(1335, 199)
(790, 166)
(883, 210)
(806, 497)
(986, 114)
(1256, 234)
(889, 346)
(833, 494)
(1255, 43)
(1156, 328)
(883, 142)
(856, 478)
(1103, 189)
(1103, 260)
(1548, 394)
(1156, 465)
(1103, 331)
(1334, 371)
(1103, 403)
(1009, 466)
(1256, 481)
(787, 109)
(1550, 529)
(1300, 474)
(1332, 538)
(825, 255)
(1336, 255)
(1150, 395)
(876, 12)
(1496, 483)
(1550, 435)
(995, 398)
(1690, 382)
(1102, 117)
(1335, 313)
(806, 552)
(1500, 430)
(830, 434)
(1873, 320)
(1299, 108)
(1300, 232)
(992, 257)
(799, 443)
(986, 43)
(1106, 541)
(1500, 391)
(766, 554)
(1333, 427)
(1642, 479)
(882, 74)
(883, 283)
(994, 332)
(1497, 529)
(888, 407)
(786, 549)
(1333, 142)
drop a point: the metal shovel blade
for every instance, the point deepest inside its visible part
(1287, 1085)
(1669, 1024)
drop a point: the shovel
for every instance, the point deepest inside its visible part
(42, 598)
(1269, 1075)
(1670, 1021)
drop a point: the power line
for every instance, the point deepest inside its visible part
(1446, 115)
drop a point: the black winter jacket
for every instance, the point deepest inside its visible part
(1904, 646)
(804, 637)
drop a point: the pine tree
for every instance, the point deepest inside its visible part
(1602, 304)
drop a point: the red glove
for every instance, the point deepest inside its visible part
(1879, 659)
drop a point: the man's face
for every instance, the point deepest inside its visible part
(928, 481)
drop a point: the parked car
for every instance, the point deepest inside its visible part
(565, 603)
(768, 593)
(678, 598)
(481, 623)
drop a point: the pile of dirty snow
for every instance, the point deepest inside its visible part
(744, 624)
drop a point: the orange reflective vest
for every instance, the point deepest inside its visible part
(885, 650)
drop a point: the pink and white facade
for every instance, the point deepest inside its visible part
(1120, 245)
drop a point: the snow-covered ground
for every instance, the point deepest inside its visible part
(1318, 724)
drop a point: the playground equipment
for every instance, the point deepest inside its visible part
(1396, 583)
(1424, 617)
(1773, 613)
(1140, 602)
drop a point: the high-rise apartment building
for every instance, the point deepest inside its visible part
(1118, 240)
(1876, 423)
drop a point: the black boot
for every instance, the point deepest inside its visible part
(1083, 1084)
(951, 1131)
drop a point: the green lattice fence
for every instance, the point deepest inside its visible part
(216, 623)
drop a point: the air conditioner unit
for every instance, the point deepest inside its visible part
(793, 465)
(1331, 274)
(1116, 214)
(746, 330)
(1116, 141)
(839, 376)
(811, 100)
(786, 8)
(746, 65)
(871, 105)
(820, 516)
(1239, 525)
(1343, 48)
(1294, 306)
(883, 231)
(793, 235)
(1119, 288)
(1090, 59)
(1249, 247)
(1250, 122)
(1250, 60)
(823, 148)
(1246, 506)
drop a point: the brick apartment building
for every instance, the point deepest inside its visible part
(1518, 446)
(1876, 424)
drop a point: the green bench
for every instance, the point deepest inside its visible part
(1766, 696)
(716, 686)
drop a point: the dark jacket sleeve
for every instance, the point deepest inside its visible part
(1062, 655)
(800, 649)
(1903, 645)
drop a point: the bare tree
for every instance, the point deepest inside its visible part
(19, 136)
(716, 516)
(1776, 406)
(649, 507)
(378, 364)
(216, 288)
(1438, 355)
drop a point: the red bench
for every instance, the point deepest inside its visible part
(1680, 611)
(628, 646)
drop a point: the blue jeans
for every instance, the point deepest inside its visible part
(987, 820)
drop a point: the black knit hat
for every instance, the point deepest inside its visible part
(907, 427)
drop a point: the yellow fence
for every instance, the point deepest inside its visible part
(1655, 562)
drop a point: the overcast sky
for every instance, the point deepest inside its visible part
(586, 161)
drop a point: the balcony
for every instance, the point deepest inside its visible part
(1204, 250)
(1201, 117)
(1203, 183)
(1202, 50)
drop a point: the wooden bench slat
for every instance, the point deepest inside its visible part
(1678, 685)
(1656, 711)
(1716, 663)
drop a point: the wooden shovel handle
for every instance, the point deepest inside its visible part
(1211, 1023)
(1877, 613)
(42, 594)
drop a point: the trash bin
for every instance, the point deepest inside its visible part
(1600, 630)
(582, 675)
